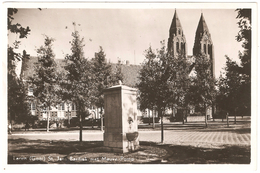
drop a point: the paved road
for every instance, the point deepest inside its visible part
(187, 137)
(192, 133)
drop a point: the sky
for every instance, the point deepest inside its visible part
(126, 33)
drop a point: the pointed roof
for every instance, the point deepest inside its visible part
(175, 21)
(202, 26)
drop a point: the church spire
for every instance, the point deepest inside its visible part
(203, 42)
(175, 22)
(202, 26)
(176, 40)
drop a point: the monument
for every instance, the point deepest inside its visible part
(121, 130)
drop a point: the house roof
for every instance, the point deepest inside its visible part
(130, 74)
(129, 71)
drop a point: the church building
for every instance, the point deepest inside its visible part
(202, 44)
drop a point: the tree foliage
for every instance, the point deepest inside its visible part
(78, 84)
(79, 75)
(104, 77)
(16, 28)
(18, 109)
(235, 87)
(163, 81)
(202, 91)
(244, 36)
(44, 80)
(229, 92)
(118, 75)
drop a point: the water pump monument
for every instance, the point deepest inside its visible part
(121, 130)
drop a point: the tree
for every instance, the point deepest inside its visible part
(152, 88)
(235, 86)
(103, 78)
(44, 80)
(78, 85)
(118, 74)
(18, 109)
(202, 91)
(17, 99)
(102, 72)
(228, 90)
(158, 77)
(180, 83)
(244, 36)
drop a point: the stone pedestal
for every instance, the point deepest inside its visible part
(120, 118)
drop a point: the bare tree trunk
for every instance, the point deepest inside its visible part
(10, 125)
(172, 112)
(148, 111)
(183, 116)
(206, 120)
(227, 120)
(80, 128)
(153, 119)
(101, 120)
(235, 116)
(160, 115)
(48, 119)
(80, 121)
(69, 114)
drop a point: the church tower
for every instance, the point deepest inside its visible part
(203, 42)
(176, 40)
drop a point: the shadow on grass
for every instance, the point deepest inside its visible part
(227, 154)
(20, 151)
(48, 147)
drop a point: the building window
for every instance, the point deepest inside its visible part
(33, 106)
(177, 46)
(73, 107)
(30, 91)
(179, 32)
(62, 107)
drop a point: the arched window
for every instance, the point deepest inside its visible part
(182, 47)
(177, 46)
(184, 50)
(209, 49)
(205, 49)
